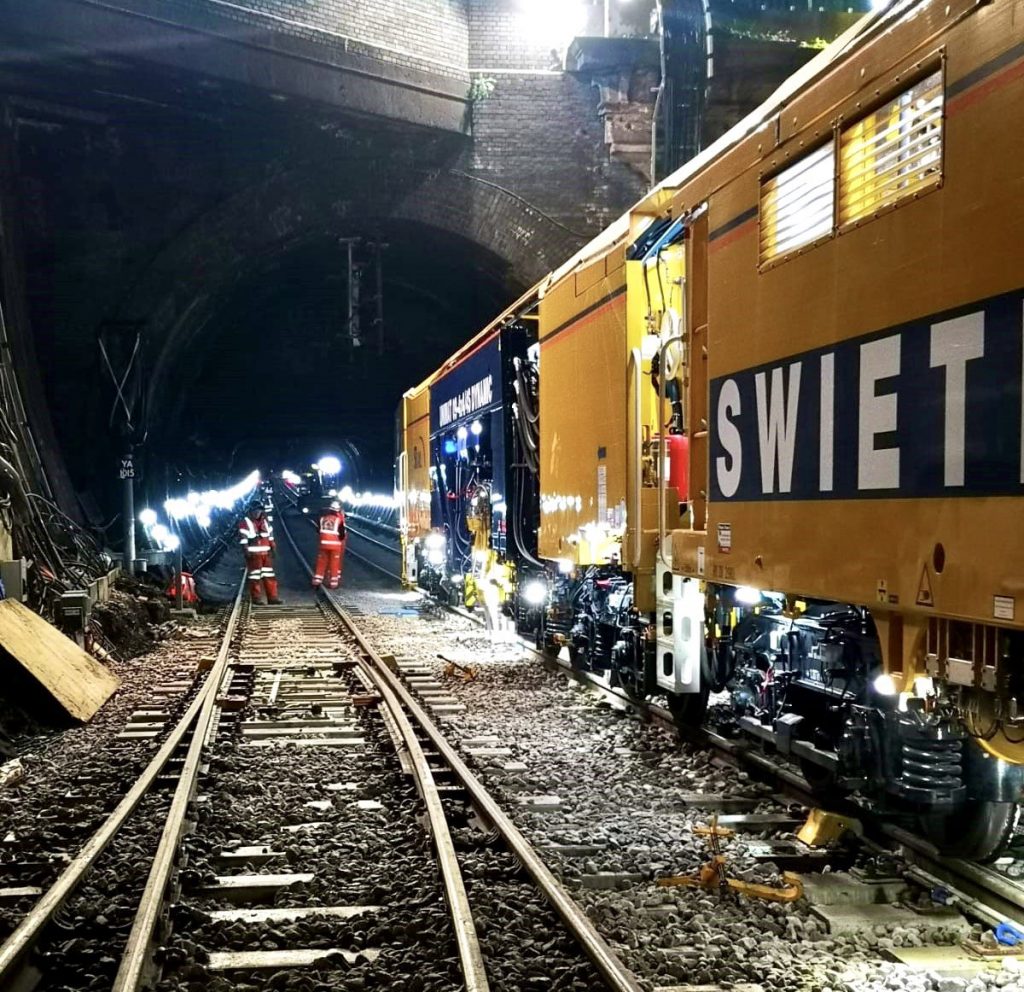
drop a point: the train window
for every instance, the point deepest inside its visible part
(894, 153)
(797, 204)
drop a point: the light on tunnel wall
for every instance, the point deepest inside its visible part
(328, 465)
(147, 517)
(551, 22)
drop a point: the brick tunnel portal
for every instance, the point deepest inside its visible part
(180, 181)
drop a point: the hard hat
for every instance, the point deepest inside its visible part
(335, 505)
(255, 506)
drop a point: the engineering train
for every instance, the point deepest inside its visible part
(760, 444)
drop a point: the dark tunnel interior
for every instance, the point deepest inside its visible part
(237, 223)
(278, 373)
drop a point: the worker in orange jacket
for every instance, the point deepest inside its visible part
(189, 596)
(331, 556)
(256, 536)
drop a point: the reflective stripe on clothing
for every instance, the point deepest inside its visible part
(250, 530)
(332, 526)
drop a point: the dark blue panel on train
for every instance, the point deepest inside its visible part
(931, 408)
(468, 391)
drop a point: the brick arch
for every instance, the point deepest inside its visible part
(178, 293)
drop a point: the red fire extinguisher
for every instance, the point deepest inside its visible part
(677, 464)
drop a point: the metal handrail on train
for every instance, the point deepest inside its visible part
(636, 367)
(663, 449)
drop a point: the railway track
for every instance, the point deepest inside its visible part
(986, 893)
(606, 963)
(279, 831)
(992, 893)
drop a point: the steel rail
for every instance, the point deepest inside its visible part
(926, 862)
(390, 548)
(618, 977)
(976, 877)
(28, 931)
(471, 959)
(466, 938)
(1007, 895)
(369, 561)
(136, 956)
(608, 964)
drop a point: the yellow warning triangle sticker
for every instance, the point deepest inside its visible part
(924, 588)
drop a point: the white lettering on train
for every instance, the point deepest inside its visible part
(826, 438)
(471, 399)
(729, 475)
(877, 468)
(954, 343)
(870, 425)
(777, 429)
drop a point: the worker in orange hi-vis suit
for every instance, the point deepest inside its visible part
(257, 539)
(332, 547)
(188, 589)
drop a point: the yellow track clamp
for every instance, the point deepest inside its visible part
(713, 875)
(823, 829)
(453, 669)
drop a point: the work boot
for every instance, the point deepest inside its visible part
(274, 602)
(257, 602)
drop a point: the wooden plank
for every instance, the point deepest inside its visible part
(75, 679)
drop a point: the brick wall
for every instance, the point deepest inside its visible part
(539, 135)
(523, 34)
(430, 35)
(501, 36)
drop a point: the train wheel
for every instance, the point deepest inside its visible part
(822, 782)
(977, 831)
(636, 692)
(689, 710)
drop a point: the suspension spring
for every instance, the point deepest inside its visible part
(933, 764)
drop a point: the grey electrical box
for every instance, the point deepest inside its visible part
(14, 575)
(73, 610)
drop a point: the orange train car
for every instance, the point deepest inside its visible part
(781, 425)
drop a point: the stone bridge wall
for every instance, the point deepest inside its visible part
(430, 35)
